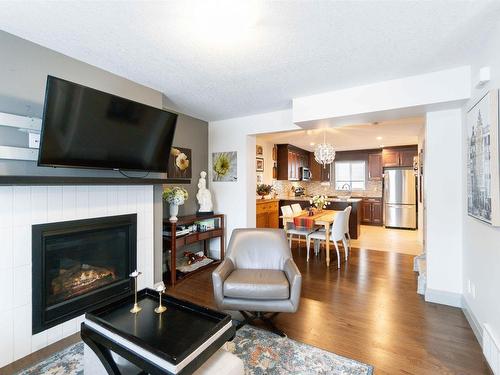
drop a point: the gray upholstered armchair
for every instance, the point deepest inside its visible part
(258, 277)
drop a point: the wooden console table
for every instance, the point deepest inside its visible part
(174, 242)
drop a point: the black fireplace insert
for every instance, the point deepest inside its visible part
(80, 265)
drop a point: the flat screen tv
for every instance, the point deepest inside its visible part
(87, 128)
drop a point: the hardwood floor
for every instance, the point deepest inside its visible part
(369, 311)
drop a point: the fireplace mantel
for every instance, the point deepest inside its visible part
(63, 180)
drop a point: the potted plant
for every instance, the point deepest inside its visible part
(318, 201)
(175, 196)
(263, 190)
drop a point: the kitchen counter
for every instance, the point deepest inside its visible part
(305, 198)
(267, 200)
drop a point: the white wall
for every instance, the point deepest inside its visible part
(237, 199)
(481, 256)
(444, 197)
(23, 206)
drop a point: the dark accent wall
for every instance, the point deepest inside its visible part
(191, 133)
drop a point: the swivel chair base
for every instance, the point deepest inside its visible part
(250, 317)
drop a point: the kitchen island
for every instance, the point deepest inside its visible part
(337, 204)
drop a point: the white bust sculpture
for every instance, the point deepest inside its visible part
(204, 197)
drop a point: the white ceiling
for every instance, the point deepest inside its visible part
(354, 137)
(222, 59)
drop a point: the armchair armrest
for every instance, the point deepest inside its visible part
(219, 275)
(295, 279)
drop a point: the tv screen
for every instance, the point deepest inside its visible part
(88, 128)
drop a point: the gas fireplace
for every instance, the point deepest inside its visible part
(79, 265)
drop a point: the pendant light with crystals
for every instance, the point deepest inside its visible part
(324, 153)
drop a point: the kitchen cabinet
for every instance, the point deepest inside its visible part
(267, 213)
(372, 211)
(290, 160)
(399, 156)
(317, 171)
(406, 157)
(375, 169)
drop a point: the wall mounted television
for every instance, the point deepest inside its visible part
(87, 128)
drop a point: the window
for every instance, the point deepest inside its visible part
(352, 173)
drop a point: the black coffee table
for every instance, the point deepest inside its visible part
(177, 341)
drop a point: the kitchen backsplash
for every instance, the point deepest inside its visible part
(283, 188)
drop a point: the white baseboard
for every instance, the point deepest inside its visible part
(473, 322)
(491, 349)
(444, 298)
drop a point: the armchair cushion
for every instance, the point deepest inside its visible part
(257, 284)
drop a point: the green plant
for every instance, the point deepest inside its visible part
(263, 189)
(175, 195)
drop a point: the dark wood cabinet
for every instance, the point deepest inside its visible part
(317, 171)
(366, 212)
(377, 213)
(390, 158)
(372, 211)
(290, 160)
(399, 156)
(375, 168)
(406, 157)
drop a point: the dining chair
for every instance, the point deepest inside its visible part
(336, 234)
(296, 208)
(290, 227)
(346, 230)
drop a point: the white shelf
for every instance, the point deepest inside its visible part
(25, 124)
(18, 153)
(20, 122)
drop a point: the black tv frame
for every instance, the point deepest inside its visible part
(41, 164)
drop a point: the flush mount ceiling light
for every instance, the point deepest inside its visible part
(222, 23)
(324, 153)
(379, 138)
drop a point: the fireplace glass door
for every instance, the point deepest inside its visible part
(81, 262)
(81, 265)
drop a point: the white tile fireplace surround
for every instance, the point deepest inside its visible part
(22, 206)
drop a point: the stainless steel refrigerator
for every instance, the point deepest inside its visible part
(400, 198)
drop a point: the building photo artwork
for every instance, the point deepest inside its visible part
(481, 131)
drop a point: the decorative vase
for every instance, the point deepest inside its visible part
(174, 210)
(262, 195)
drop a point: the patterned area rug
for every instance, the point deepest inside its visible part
(261, 351)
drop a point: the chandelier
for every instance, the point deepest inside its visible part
(324, 153)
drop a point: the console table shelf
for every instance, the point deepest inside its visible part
(175, 242)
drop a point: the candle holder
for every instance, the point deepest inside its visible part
(160, 288)
(136, 308)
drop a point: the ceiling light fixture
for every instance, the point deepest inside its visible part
(324, 153)
(222, 23)
(312, 144)
(379, 138)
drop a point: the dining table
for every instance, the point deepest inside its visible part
(304, 219)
